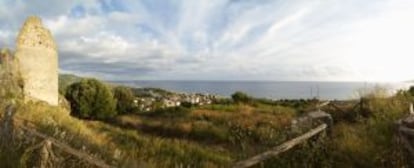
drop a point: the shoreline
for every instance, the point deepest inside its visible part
(275, 91)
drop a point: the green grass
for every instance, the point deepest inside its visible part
(134, 148)
(241, 130)
(370, 142)
(215, 135)
(207, 137)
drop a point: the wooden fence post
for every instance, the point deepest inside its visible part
(7, 137)
(7, 125)
(405, 133)
(46, 155)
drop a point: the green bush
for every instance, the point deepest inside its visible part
(125, 100)
(411, 90)
(240, 97)
(91, 99)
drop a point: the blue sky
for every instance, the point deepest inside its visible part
(294, 40)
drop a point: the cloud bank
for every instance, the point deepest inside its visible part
(225, 39)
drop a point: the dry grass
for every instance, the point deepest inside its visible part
(118, 146)
(370, 142)
(242, 131)
(216, 135)
(214, 138)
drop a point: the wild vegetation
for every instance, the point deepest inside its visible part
(125, 99)
(91, 99)
(363, 137)
(215, 135)
(65, 80)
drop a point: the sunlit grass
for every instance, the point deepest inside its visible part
(101, 139)
(241, 130)
(218, 135)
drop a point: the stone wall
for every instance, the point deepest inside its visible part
(38, 62)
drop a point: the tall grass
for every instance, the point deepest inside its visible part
(240, 130)
(213, 135)
(118, 146)
(370, 141)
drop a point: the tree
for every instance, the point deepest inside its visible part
(91, 99)
(240, 97)
(411, 90)
(125, 99)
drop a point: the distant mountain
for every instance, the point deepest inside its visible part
(67, 79)
(409, 81)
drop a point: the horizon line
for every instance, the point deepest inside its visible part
(250, 80)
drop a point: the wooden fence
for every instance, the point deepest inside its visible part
(281, 148)
(10, 124)
(405, 135)
(311, 117)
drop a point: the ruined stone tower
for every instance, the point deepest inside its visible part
(38, 62)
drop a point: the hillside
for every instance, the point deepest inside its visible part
(209, 135)
(65, 80)
(213, 135)
(217, 136)
(49, 119)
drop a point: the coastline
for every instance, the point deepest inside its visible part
(274, 90)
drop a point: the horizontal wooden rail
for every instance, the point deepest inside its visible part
(65, 147)
(407, 144)
(406, 130)
(280, 149)
(405, 133)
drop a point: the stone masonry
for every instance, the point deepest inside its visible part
(38, 62)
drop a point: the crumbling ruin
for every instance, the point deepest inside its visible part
(38, 62)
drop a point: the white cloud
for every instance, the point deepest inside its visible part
(74, 27)
(220, 39)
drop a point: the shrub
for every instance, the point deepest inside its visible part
(91, 99)
(187, 104)
(411, 90)
(171, 112)
(240, 97)
(125, 100)
(222, 101)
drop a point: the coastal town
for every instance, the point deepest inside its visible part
(154, 100)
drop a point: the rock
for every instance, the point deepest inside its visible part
(310, 120)
(321, 116)
(38, 62)
(408, 121)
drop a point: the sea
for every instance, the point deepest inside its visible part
(273, 89)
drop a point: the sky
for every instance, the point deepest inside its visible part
(278, 40)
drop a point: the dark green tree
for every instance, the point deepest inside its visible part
(125, 100)
(91, 99)
(411, 90)
(240, 97)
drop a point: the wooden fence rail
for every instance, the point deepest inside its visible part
(66, 148)
(281, 148)
(405, 133)
(24, 125)
(49, 141)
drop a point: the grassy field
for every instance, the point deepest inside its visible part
(198, 137)
(216, 135)
(219, 135)
(239, 130)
